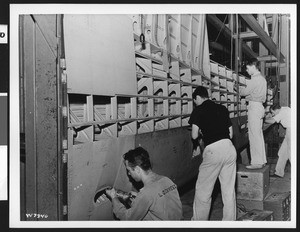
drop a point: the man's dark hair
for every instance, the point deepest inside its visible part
(138, 157)
(276, 106)
(200, 91)
(253, 61)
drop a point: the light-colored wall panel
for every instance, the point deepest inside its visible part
(92, 166)
(99, 54)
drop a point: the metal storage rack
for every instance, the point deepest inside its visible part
(168, 70)
(166, 76)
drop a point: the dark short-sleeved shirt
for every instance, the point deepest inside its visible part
(213, 120)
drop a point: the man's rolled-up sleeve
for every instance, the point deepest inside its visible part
(246, 91)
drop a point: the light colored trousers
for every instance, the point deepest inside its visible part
(256, 113)
(284, 153)
(219, 160)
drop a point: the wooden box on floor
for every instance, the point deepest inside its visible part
(252, 184)
(279, 203)
(257, 215)
(247, 205)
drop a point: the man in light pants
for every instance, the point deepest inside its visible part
(256, 93)
(212, 121)
(282, 115)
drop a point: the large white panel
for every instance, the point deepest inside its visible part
(100, 57)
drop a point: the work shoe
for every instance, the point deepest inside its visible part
(275, 176)
(255, 166)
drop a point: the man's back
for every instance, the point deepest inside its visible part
(163, 199)
(284, 117)
(157, 200)
(213, 121)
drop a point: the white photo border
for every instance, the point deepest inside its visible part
(14, 145)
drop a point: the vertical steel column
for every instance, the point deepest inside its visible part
(42, 115)
(284, 68)
(62, 141)
(30, 135)
(236, 65)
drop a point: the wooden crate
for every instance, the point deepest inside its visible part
(257, 215)
(252, 184)
(279, 203)
(248, 205)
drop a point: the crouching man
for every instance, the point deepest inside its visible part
(157, 200)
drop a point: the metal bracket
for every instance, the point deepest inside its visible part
(64, 111)
(65, 158)
(65, 210)
(65, 144)
(64, 77)
(63, 63)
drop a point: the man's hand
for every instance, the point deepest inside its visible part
(111, 193)
(133, 193)
(196, 152)
(268, 115)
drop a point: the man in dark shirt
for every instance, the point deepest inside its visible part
(212, 122)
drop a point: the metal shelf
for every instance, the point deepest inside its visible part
(148, 57)
(165, 79)
(153, 96)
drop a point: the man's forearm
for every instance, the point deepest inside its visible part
(119, 209)
(270, 120)
(230, 132)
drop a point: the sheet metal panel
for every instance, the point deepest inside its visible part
(171, 153)
(91, 166)
(100, 54)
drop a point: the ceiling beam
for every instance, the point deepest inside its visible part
(248, 35)
(275, 65)
(248, 51)
(219, 25)
(268, 58)
(219, 47)
(265, 39)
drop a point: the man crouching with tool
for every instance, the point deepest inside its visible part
(157, 200)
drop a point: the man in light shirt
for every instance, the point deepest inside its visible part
(157, 200)
(282, 115)
(255, 93)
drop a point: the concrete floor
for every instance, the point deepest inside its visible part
(187, 195)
